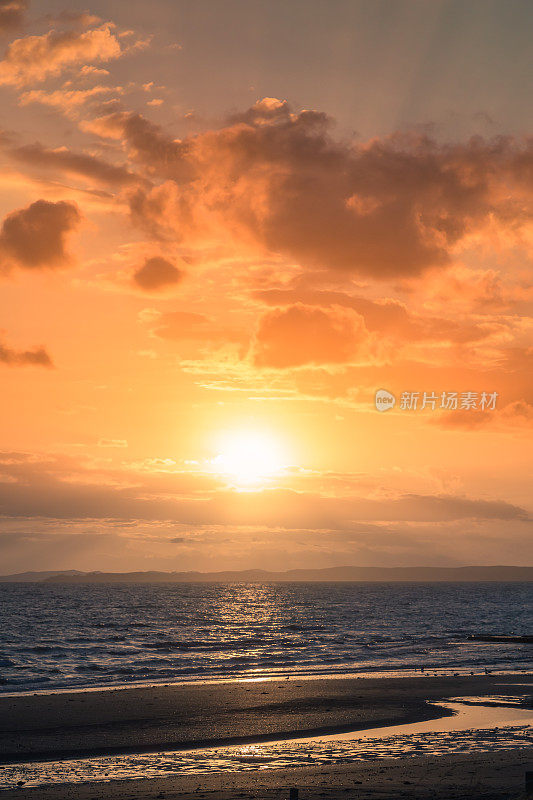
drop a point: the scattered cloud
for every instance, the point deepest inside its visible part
(82, 18)
(300, 334)
(38, 357)
(12, 14)
(278, 182)
(52, 488)
(180, 325)
(66, 100)
(148, 145)
(157, 273)
(34, 58)
(68, 162)
(89, 71)
(518, 414)
(386, 316)
(35, 237)
(188, 325)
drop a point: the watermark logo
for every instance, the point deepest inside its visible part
(384, 400)
(447, 401)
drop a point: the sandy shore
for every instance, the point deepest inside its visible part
(487, 776)
(183, 716)
(169, 717)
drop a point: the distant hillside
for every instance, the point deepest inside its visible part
(38, 577)
(365, 574)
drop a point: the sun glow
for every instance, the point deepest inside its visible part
(248, 457)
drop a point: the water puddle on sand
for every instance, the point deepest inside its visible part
(470, 714)
(477, 725)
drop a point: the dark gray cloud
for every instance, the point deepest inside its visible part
(35, 237)
(12, 14)
(157, 273)
(38, 356)
(391, 207)
(72, 163)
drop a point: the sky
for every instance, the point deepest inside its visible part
(223, 228)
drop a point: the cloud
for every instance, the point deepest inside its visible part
(66, 100)
(277, 182)
(518, 414)
(129, 546)
(265, 111)
(89, 70)
(386, 316)
(112, 443)
(157, 273)
(35, 237)
(60, 488)
(73, 18)
(22, 358)
(520, 411)
(449, 507)
(12, 14)
(34, 58)
(188, 325)
(299, 335)
(148, 144)
(68, 162)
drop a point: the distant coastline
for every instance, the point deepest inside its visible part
(334, 574)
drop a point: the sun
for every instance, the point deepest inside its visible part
(248, 456)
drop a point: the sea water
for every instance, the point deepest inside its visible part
(56, 636)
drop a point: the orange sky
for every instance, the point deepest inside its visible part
(221, 233)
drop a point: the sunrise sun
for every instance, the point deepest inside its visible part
(248, 456)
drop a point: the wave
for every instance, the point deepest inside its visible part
(111, 635)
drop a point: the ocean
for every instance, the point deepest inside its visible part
(59, 636)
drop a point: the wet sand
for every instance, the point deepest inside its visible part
(172, 717)
(168, 717)
(488, 776)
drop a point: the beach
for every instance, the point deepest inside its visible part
(155, 719)
(491, 776)
(267, 409)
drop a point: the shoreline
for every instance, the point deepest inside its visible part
(159, 719)
(498, 775)
(192, 716)
(474, 726)
(430, 712)
(370, 674)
